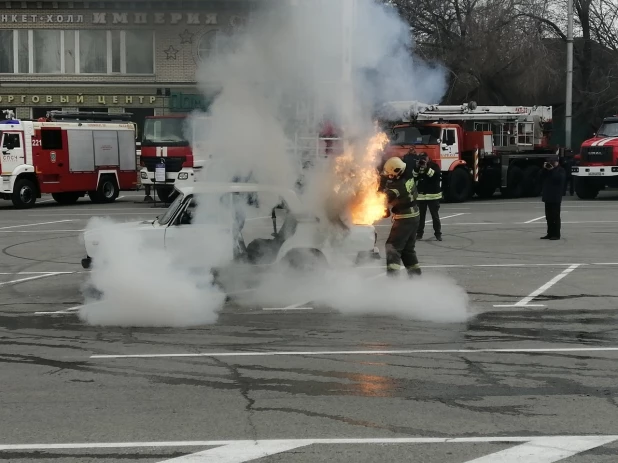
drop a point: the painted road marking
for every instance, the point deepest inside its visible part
(239, 453)
(533, 449)
(61, 312)
(450, 216)
(286, 308)
(35, 224)
(534, 220)
(36, 277)
(525, 301)
(545, 450)
(532, 350)
(41, 231)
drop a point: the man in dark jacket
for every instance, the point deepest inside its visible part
(553, 178)
(428, 177)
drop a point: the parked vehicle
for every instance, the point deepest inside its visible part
(598, 161)
(300, 240)
(67, 154)
(480, 148)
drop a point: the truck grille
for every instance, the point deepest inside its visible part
(597, 154)
(172, 164)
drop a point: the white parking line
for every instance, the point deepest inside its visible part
(273, 309)
(450, 216)
(22, 280)
(34, 224)
(61, 312)
(42, 231)
(524, 302)
(539, 350)
(534, 220)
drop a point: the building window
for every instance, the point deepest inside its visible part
(47, 51)
(92, 52)
(23, 51)
(7, 52)
(139, 52)
(208, 45)
(42, 51)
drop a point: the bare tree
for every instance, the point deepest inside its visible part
(486, 44)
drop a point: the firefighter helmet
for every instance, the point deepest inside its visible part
(394, 167)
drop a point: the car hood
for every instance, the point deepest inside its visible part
(91, 237)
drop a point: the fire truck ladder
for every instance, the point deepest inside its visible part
(417, 111)
(86, 116)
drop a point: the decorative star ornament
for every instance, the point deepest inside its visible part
(171, 52)
(186, 37)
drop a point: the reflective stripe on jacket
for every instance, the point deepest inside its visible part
(402, 198)
(429, 182)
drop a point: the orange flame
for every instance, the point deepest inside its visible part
(359, 178)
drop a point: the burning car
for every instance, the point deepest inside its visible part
(214, 214)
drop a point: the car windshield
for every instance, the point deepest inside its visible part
(171, 211)
(166, 131)
(415, 135)
(608, 129)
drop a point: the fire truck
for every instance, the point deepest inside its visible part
(598, 161)
(67, 154)
(480, 148)
(168, 144)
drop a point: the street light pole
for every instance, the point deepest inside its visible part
(569, 78)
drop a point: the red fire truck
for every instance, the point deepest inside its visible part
(598, 161)
(480, 148)
(169, 143)
(68, 154)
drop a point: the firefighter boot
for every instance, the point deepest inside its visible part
(392, 270)
(414, 271)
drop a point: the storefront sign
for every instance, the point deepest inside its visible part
(106, 100)
(107, 18)
(185, 102)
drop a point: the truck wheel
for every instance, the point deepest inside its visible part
(66, 198)
(459, 186)
(24, 194)
(164, 193)
(585, 189)
(107, 192)
(514, 182)
(532, 185)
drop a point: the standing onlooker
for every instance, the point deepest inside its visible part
(428, 176)
(553, 178)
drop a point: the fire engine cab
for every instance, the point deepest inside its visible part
(479, 148)
(598, 167)
(67, 154)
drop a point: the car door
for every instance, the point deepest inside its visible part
(200, 234)
(12, 151)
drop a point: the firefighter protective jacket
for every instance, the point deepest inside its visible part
(428, 180)
(401, 193)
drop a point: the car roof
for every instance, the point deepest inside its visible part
(288, 195)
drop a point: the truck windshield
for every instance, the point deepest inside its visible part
(169, 213)
(608, 129)
(415, 135)
(166, 131)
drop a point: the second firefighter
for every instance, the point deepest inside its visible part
(400, 189)
(428, 178)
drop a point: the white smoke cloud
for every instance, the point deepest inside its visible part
(140, 284)
(273, 85)
(433, 298)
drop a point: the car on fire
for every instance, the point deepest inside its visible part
(301, 240)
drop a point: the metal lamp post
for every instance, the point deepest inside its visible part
(569, 77)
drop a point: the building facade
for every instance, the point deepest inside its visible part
(137, 56)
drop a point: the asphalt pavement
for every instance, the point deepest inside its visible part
(531, 377)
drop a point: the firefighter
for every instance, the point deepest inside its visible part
(428, 177)
(400, 189)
